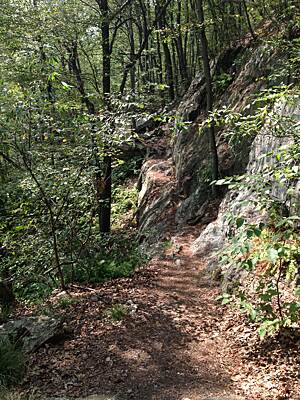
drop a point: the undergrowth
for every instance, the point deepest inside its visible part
(12, 363)
(117, 256)
(263, 250)
(268, 290)
(82, 253)
(117, 312)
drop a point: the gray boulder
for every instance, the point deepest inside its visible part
(32, 332)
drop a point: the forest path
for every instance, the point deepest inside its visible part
(169, 346)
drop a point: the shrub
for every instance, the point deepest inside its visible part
(269, 292)
(124, 205)
(268, 251)
(65, 302)
(11, 363)
(114, 257)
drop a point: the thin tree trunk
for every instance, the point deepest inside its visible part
(168, 58)
(132, 54)
(105, 194)
(74, 67)
(139, 53)
(180, 49)
(159, 55)
(248, 20)
(209, 95)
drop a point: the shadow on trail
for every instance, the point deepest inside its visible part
(143, 358)
(189, 285)
(154, 354)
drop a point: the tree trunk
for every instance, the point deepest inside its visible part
(209, 95)
(168, 58)
(105, 195)
(248, 20)
(180, 49)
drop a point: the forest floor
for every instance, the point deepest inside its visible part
(160, 335)
(173, 340)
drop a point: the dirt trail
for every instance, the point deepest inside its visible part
(168, 347)
(197, 366)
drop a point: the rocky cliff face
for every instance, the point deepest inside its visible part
(238, 203)
(248, 76)
(178, 193)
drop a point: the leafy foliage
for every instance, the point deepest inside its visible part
(111, 257)
(268, 250)
(269, 291)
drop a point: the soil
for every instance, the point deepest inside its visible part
(168, 345)
(172, 342)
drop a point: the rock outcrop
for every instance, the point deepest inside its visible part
(156, 198)
(191, 154)
(32, 332)
(178, 188)
(238, 203)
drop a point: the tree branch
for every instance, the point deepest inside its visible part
(132, 63)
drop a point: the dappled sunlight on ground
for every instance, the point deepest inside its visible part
(167, 348)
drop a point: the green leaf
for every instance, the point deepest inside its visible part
(221, 182)
(262, 331)
(250, 233)
(66, 86)
(257, 232)
(20, 228)
(240, 222)
(225, 298)
(273, 255)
